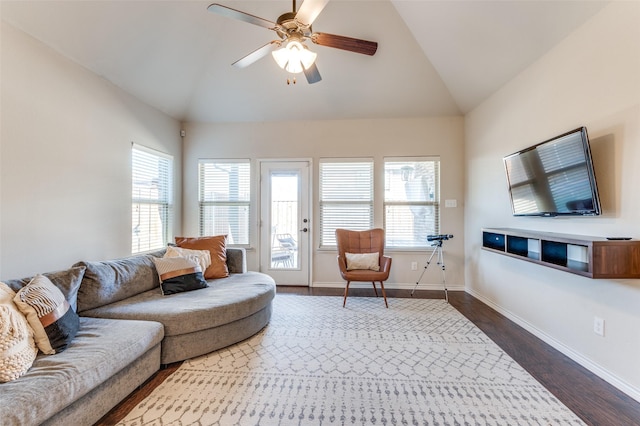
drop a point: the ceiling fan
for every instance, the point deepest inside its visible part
(294, 28)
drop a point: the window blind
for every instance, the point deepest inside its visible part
(346, 197)
(225, 199)
(152, 198)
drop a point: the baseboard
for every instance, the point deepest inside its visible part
(390, 286)
(593, 367)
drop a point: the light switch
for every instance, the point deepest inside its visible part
(451, 203)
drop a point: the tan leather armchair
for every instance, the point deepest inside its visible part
(370, 241)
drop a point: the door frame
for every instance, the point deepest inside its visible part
(261, 223)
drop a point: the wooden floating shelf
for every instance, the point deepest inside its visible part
(593, 257)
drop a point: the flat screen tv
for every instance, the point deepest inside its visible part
(554, 177)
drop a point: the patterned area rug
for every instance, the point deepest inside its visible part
(420, 362)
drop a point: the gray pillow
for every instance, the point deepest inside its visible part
(68, 281)
(114, 280)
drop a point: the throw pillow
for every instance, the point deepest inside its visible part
(363, 261)
(179, 274)
(202, 257)
(52, 319)
(17, 348)
(217, 248)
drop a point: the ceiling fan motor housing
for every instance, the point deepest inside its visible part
(287, 22)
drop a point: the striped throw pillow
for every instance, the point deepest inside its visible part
(179, 274)
(52, 319)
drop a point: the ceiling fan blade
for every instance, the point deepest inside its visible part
(242, 16)
(309, 11)
(259, 53)
(345, 43)
(312, 74)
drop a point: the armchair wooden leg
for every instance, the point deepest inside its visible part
(384, 295)
(374, 288)
(346, 292)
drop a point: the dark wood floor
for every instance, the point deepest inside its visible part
(595, 401)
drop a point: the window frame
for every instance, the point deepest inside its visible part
(165, 203)
(436, 203)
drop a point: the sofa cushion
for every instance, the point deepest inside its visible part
(178, 274)
(68, 281)
(236, 260)
(101, 348)
(216, 246)
(17, 348)
(224, 301)
(113, 280)
(50, 316)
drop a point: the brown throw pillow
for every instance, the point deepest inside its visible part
(216, 246)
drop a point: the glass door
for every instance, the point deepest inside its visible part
(285, 221)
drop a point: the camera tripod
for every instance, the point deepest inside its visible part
(440, 261)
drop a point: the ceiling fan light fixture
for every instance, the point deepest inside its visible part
(294, 57)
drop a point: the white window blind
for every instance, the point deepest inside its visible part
(151, 183)
(225, 199)
(346, 197)
(411, 201)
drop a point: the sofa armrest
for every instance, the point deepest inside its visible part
(236, 260)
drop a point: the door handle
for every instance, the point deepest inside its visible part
(304, 229)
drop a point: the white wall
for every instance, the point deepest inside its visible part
(341, 138)
(592, 78)
(66, 136)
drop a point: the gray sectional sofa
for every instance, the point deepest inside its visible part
(128, 329)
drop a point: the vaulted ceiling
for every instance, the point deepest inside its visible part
(434, 57)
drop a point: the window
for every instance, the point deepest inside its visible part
(411, 201)
(151, 183)
(225, 199)
(346, 197)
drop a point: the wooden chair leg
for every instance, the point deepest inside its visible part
(374, 288)
(384, 295)
(346, 292)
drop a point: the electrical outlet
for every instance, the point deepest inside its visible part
(414, 266)
(598, 326)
